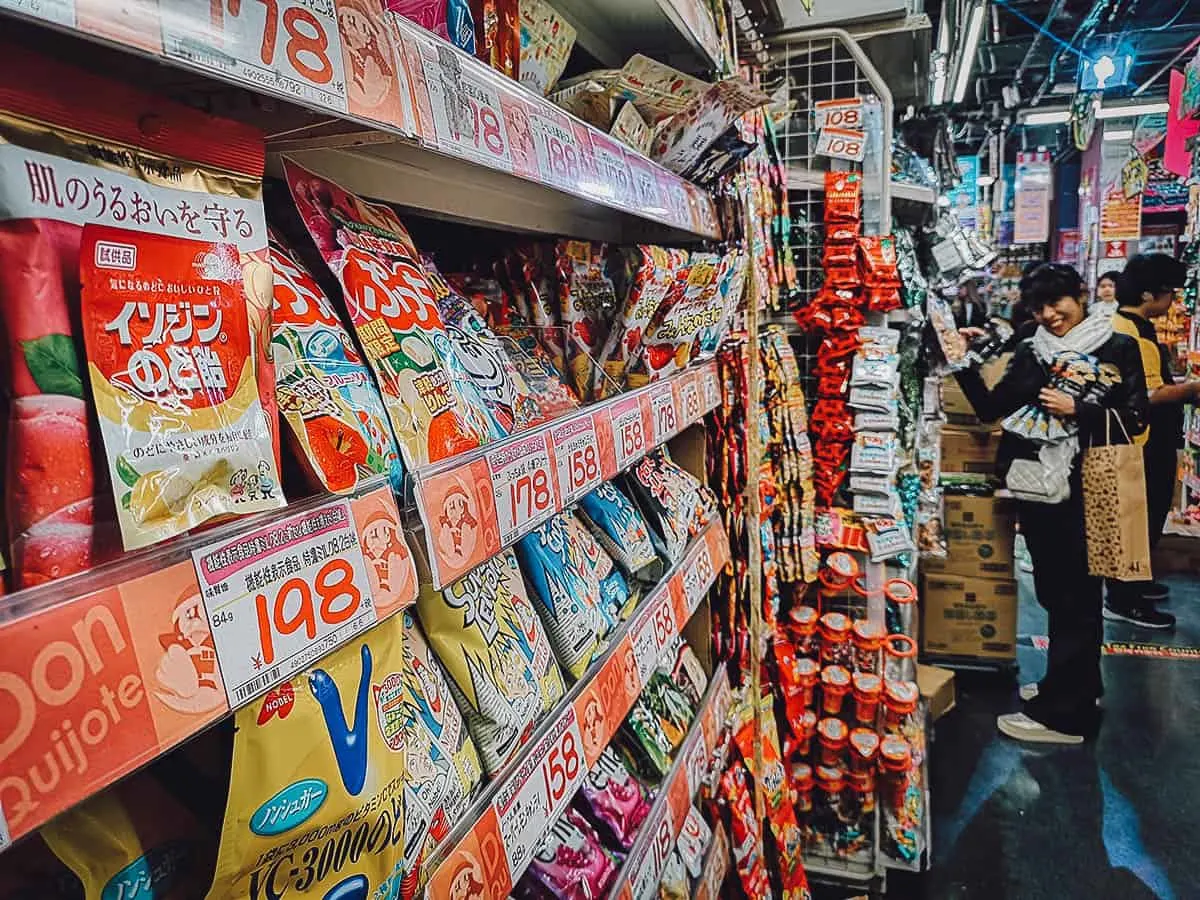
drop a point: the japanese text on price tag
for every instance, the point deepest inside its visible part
(646, 193)
(283, 596)
(576, 458)
(839, 114)
(673, 193)
(689, 399)
(698, 574)
(467, 113)
(712, 387)
(523, 486)
(665, 416)
(629, 430)
(652, 632)
(612, 170)
(290, 46)
(558, 154)
(538, 791)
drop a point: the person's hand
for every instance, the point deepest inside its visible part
(1056, 402)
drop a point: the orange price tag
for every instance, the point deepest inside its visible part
(559, 158)
(282, 596)
(577, 457)
(630, 430)
(698, 574)
(652, 632)
(665, 415)
(689, 399)
(523, 485)
(604, 702)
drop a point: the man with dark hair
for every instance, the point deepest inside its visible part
(1146, 289)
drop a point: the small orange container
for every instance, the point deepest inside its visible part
(834, 629)
(863, 785)
(807, 673)
(833, 735)
(868, 638)
(899, 701)
(831, 781)
(895, 760)
(835, 684)
(805, 729)
(899, 657)
(839, 572)
(868, 688)
(802, 784)
(802, 628)
(864, 750)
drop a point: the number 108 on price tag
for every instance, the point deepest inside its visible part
(281, 597)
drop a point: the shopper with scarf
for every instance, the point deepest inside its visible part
(1061, 387)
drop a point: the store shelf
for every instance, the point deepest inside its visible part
(679, 32)
(814, 180)
(503, 829)
(413, 93)
(716, 867)
(640, 875)
(114, 666)
(511, 487)
(915, 193)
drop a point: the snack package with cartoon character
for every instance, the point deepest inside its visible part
(488, 636)
(395, 314)
(555, 559)
(319, 765)
(622, 531)
(1079, 375)
(443, 770)
(180, 294)
(676, 504)
(657, 271)
(571, 863)
(326, 393)
(587, 301)
(617, 597)
(134, 837)
(615, 801)
(532, 271)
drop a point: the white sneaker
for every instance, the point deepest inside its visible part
(1028, 691)
(1020, 727)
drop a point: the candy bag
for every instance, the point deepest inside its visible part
(616, 801)
(546, 42)
(91, 162)
(565, 582)
(429, 14)
(695, 302)
(536, 367)
(489, 638)
(396, 316)
(587, 300)
(680, 663)
(843, 197)
(32, 872)
(570, 862)
(324, 389)
(443, 769)
(132, 838)
(658, 270)
(676, 504)
(319, 768)
(622, 531)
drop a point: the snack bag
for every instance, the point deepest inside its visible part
(316, 798)
(133, 839)
(571, 863)
(32, 872)
(587, 300)
(443, 769)
(658, 270)
(489, 638)
(537, 369)
(694, 303)
(614, 800)
(622, 531)
(429, 14)
(565, 584)
(677, 505)
(680, 663)
(82, 162)
(396, 316)
(325, 391)
(546, 42)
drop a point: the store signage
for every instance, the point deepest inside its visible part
(964, 199)
(1120, 212)
(1031, 205)
(846, 114)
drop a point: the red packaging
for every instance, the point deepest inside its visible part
(843, 196)
(77, 149)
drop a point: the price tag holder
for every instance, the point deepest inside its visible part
(711, 383)
(651, 634)
(291, 47)
(612, 170)
(664, 415)
(689, 400)
(539, 791)
(646, 193)
(675, 196)
(846, 114)
(631, 434)
(842, 143)
(467, 113)
(558, 155)
(523, 485)
(698, 573)
(577, 458)
(282, 596)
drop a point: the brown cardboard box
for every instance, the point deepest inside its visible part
(937, 687)
(979, 537)
(970, 449)
(969, 617)
(955, 404)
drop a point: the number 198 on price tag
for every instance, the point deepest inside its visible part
(283, 596)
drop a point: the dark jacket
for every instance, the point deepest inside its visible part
(1026, 375)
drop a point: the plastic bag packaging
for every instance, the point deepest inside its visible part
(546, 42)
(614, 800)
(488, 636)
(571, 863)
(132, 838)
(622, 531)
(443, 769)
(32, 872)
(587, 301)
(86, 161)
(693, 303)
(680, 663)
(326, 393)
(396, 316)
(536, 366)
(677, 505)
(318, 765)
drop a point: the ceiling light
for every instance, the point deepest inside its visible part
(1120, 134)
(1046, 117)
(966, 62)
(1133, 109)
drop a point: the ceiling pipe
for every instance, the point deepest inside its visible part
(1054, 12)
(1088, 24)
(1141, 88)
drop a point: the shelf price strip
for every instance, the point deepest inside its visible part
(716, 866)
(475, 506)
(501, 843)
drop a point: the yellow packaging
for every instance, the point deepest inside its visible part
(316, 799)
(489, 637)
(133, 840)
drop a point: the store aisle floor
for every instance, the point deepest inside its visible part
(1111, 819)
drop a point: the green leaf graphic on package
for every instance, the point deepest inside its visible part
(53, 365)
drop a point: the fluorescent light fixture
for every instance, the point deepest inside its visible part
(1133, 109)
(966, 62)
(1046, 117)
(1120, 134)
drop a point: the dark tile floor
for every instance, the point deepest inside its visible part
(1116, 818)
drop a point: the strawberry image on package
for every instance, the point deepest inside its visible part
(395, 312)
(77, 150)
